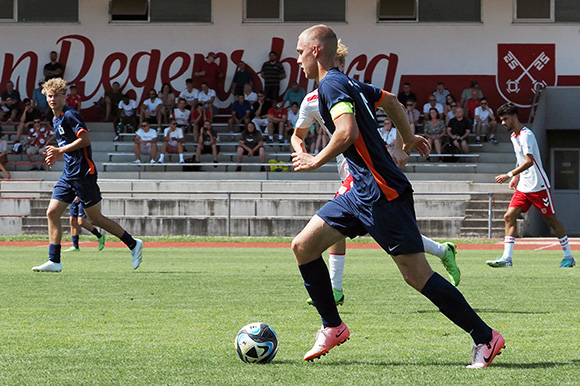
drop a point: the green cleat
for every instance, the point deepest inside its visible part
(338, 297)
(450, 265)
(102, 242)
(567, 263)
(72, 249)
(500, 263)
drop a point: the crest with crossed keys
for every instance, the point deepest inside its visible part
(513, 86)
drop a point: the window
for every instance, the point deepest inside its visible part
(7, 10)
(39, 11)
(295, 10)
(559, 11)
(161, 11)
(430, 10)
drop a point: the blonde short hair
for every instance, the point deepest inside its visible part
(54, 85)
(341, 53)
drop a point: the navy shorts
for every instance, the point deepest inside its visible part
(76, 209)
(86, 189)
(391, 223)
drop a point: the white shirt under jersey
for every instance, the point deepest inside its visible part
(306, 117)
(534, 178)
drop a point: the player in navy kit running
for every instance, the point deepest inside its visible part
(79, 178)
(380, 201)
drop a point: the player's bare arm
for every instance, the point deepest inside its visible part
(54, 153)
(297, 139)
(398, 154)
(515, 173)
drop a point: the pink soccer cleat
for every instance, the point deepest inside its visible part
(327, 338)
(483, 354)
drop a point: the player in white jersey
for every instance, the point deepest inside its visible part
(531, 185)
(308, 114)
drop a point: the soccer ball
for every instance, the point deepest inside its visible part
(256, 343)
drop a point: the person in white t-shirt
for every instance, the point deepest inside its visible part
(531, 185)
(172, 141)
(127, 109)
(207, 96)
(389, 134)
(181, 114)
(151, 109)
(145, 142)
(250, 95)
(433, 104)
(484, 118)
(190, 94)
(292, 118)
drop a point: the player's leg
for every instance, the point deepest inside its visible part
(53, 214)
(336, 260)
(446, 252)
(75, 231)
(85, 223)
(510, 217)
(568, 261)
(492, 128)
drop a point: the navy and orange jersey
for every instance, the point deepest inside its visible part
(374, 172)
(67, 127)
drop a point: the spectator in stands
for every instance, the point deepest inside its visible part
(198, 116)
(389, 134)
(406, 94)
(207, 96)
(53, 69)
(127, 116)
(276, 122)
(39, 135)
(241, 78)
(322, 139)
(190, 94)
(291, 117)
(458, 131)
(413, 115)
(272, 72)
(168, 98)
(260, 110)
(151, 109)
(39, 101)
(441, 93)
(466, 93)
(432, 103)
(4, 156)
(241, 110)
(29, 115)
(181, 114)
(173, 139)
(73, 99)
(111, 101)
(381, 116)
(471, 104)
(310, 140)
(10, 103)
(207, 143)
(250, 95)
(251, 143)
(450, 103)
(294, 94)
(145, 142)
(484, 117)
(435, 130)
(209, 71)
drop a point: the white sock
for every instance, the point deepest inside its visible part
(162, 157)
(508, 247)
(181, 157)
(433, 247)
(565, 247)
(336, 269)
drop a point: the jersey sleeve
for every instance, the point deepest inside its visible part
(333, 95)
(528, 142)
(76, 122)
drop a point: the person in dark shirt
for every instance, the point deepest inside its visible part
(53, 69)
(272, 72)
(406, 94)
(458, 130)
(241, 77)
(251, 143)
(10, 102)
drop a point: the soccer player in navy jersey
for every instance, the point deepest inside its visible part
(79, 178)
(379, 203)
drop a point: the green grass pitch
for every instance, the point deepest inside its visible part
(173, 322)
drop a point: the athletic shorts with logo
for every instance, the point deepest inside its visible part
(86, 189)
(76, 209)
(541, 199)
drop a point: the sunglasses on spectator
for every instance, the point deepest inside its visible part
(483, 103)
(36, 121)
(453, 105)
(144, 124)
(409, 104)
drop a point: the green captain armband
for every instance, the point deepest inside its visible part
(341, 108)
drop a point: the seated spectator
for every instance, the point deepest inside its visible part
(471, 104)
(172, 141)
(484, 117)
(251, 143)
(389, 134)
(466, 93)
(322, 139)
(39, 101)
(294, 94)
(450, 103)
(310, 140)
(433, 104)
(260, 110)
(241, 110)
(145, 142)
(29, 115)
(168, 98)
(292, 116)
(441, 93)
(189, 94)
(73, 99)
(151, 109)
(241, 78)
(458, 131)
(198, 117)
(207, 96)
(435, 130)
(207, 143)
(127, 116)
(381, 116)
(181, 114)
(9, 103)
(4, 156)
(250, 95)
(111, 101)
(413, 115)
(406, 94)
(39, 135)
(276, 122)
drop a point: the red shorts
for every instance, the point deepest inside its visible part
(345, 187)
(541, 200)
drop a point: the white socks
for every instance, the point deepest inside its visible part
(433, 248)
(565, 247)
(162, 157)
(336, 269)
(181, 157)
(508, 247)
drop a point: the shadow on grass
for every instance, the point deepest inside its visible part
(483, 310)
(533, 365)
(181, 272)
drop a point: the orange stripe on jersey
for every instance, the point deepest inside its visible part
(362, 150)
(92, 169)
(81, 131)
(380, 100)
